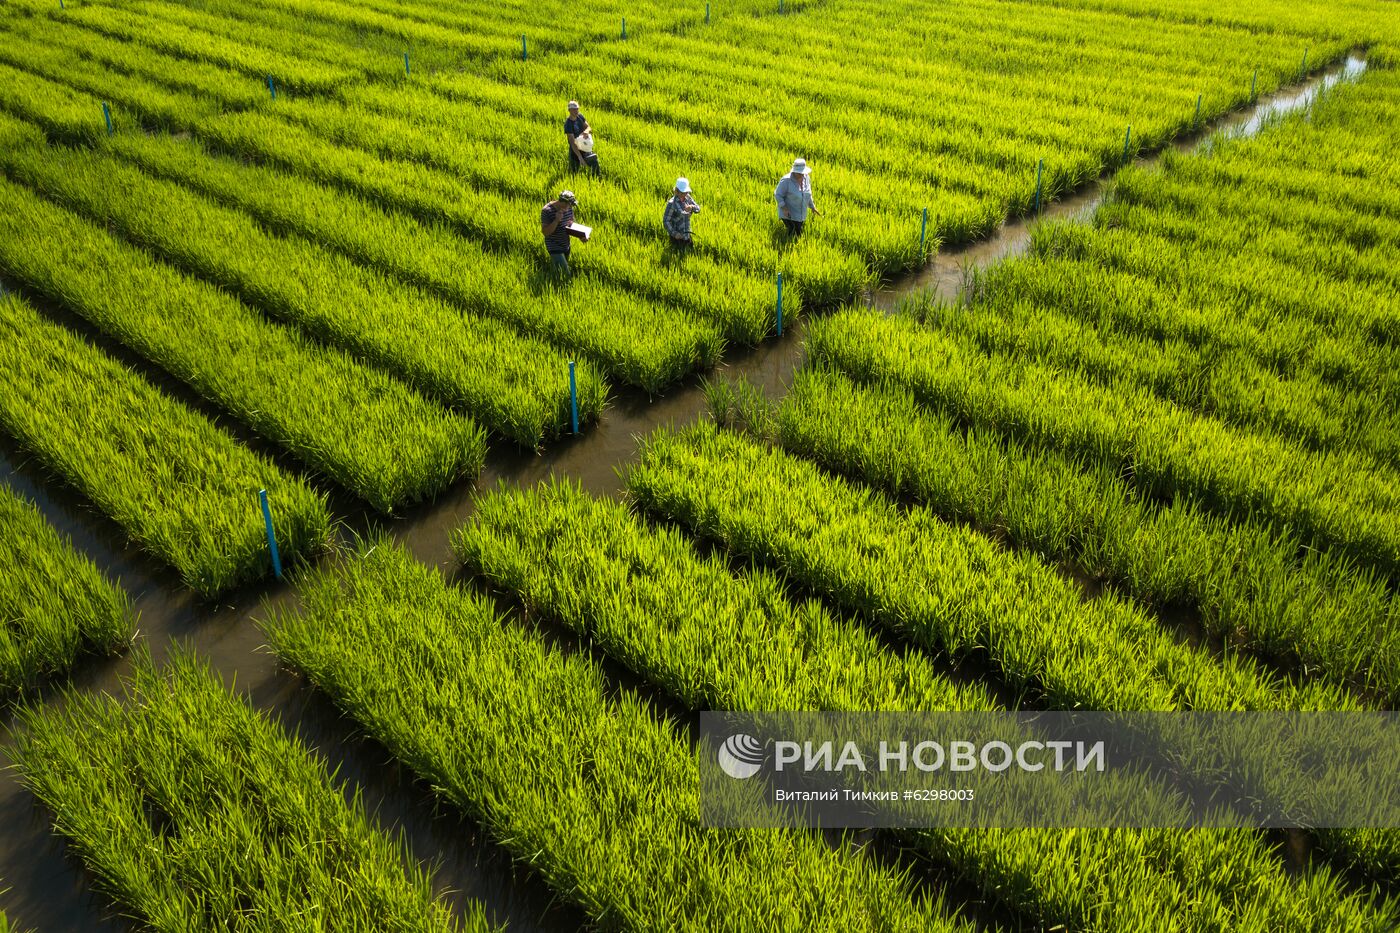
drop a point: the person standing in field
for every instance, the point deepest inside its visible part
(555, 218)
(576, 125)
(679, 207)
(794, 197)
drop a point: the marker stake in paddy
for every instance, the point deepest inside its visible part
(1039, 174)
(271, 535)
(573, 397)
(107, 117)
(271, 87)
(923, 231)
(780, 304)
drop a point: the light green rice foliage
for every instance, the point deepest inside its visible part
(1245, 580)
(152, 104)
(584, 784)
(370, 433)
(685, 621)
(517, 386)
(498, 209)
(294, 65)
(182, 488)
(195, 812)
(1337, 498)
(720, 640)
(946, 587)
(605, 323)
(62, 113)
(54, 604)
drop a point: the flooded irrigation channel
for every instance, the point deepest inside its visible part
(48, 891)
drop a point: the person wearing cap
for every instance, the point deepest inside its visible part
(555, 218)
(575, 126)
(794, 197)
(679, 207)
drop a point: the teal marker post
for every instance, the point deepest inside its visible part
(524, 49)
(624, 27)
(271, 87)
(107, 117)
(573, 396)
(1127, 141)
(923, 231)
(1196, 120)
(1303, 69)
(405, 64)
(707, 13)
(271, 535)
(1039, 172)
(780, 304)
(1253, 83)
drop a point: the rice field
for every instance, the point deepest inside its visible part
(366, 572)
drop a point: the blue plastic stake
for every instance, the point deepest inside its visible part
(61, 6)
(923, 231)
(271, 536)
(780, 304)
(1196, 120)
(624, 27)
(573, 395)
(1253, 82)
(107, 116)
(271, 87)
(1127, 138)
(405, 64)
(1039, 171)
(524, 49)
(707, 13)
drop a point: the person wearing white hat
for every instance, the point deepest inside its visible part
(679, 207)
(794, 197)
(580, 136)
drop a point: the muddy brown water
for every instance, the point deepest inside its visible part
(47, 890)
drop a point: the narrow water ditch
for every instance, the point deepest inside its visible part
(944, 274)
(46, 890)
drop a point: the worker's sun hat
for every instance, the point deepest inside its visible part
(683, 185)
(800, 167)
(573, 105)
(568, 196)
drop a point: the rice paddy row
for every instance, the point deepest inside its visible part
(193, 811)
(588, 785)
(54, 604)
(722, 639)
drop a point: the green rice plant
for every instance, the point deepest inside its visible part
(370, 433)
(946, 587)
(292, 66)
(195, 812)
(151, 104)
(954, 592)
(1249, 583)
(517, 386)
(55, 605)
(1336, 499)
(177, 484)
(605, 323)
(176, 77)
(62, 113)
(584, 783)
(719, 639)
